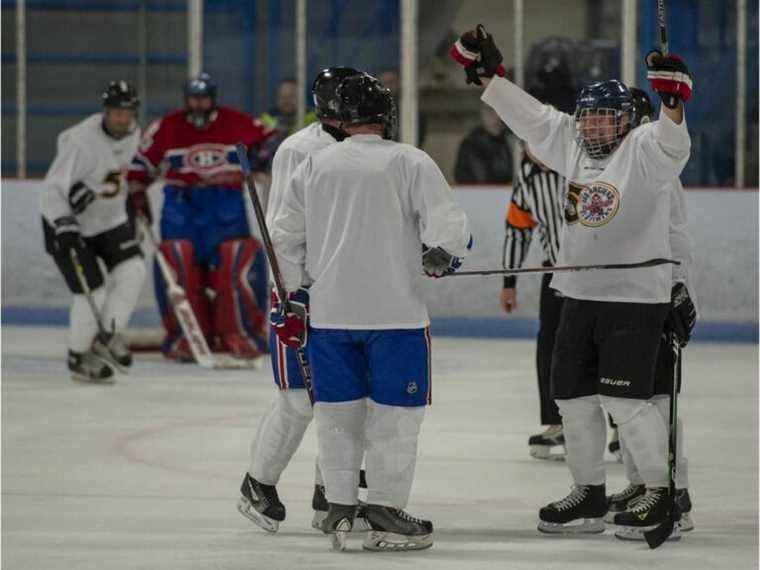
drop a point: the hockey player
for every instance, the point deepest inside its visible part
(618, 209)
(205, 233)
(282, 428)
(84, 220)
(355, 219)
(681, 321)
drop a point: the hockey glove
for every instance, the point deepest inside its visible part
(670, 77)
(67, 234)
(291, 320)
(477, 53)
(682, 316)
(138, 204)
(80, 196)
(437, 262)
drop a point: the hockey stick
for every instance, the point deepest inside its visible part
(245, 165)
(566, 268)
(660, 533)
(181, 306)
(662, 23)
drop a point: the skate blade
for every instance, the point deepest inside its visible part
(246, 509)
(544, 452)
(585, 526)
(360, 523)
(636, 533)
(112, 362)
(82, 379)
(379, 541)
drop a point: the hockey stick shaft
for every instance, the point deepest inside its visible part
(567, 268)
(82, 278)
(279, 283)
(180, 304)
(662, 24)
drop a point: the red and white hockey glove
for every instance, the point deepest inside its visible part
(477, 53)
(669, 77)
(291, 320)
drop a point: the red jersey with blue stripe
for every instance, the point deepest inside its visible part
(187, 156)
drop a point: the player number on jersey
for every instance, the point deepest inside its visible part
(112, 184)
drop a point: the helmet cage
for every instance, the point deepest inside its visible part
(599, 130)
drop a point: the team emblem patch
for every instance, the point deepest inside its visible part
(597, 204)
(411, 388)
(206, 157)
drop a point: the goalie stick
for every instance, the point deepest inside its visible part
(250, 190)
(565, 268)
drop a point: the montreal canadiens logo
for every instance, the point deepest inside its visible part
(206, 157)
(597, 204)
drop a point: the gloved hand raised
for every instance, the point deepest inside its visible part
(477, 53)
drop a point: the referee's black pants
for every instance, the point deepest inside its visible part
(549, 312)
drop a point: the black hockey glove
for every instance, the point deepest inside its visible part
(80, 196)
(682, 316)
(477, 53)
(670, 77)
(437, 262)
(67, 234)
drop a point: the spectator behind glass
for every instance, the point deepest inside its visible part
(485, 155)
(390, 79)
(283, 115)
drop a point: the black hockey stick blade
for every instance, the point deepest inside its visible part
(562, 268)
(659, 534)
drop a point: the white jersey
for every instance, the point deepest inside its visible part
(86, 154)
(354, 217)
(617, 209)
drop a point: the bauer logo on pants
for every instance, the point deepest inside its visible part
(597, 204)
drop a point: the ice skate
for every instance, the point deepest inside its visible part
(581, 512)
(550, 444)
(260, 503)
(338, 523)
(644, 514)
(393, 529)
(321, 506)
(86, 367)
(618, 502)
(113, 349)
(683, 499)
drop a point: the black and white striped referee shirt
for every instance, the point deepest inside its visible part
(536, 204)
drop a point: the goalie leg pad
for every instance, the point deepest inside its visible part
(180, 256)
(240, 305)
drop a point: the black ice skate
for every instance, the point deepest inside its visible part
(113, 349)
(338, 523)
(684, 505)
(395, 530)
(581, 512)
(644, 514)
(619, 502)
(86, 367)
(321, 506)
(260, 503)
(550, 444)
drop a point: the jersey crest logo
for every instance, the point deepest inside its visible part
(411, 388)
(202, 158)
(597, 204)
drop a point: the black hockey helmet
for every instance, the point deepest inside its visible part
(120, 95)
(604, 113)
(202, 85)
(363, 100)
(324, 88)
(643, 105)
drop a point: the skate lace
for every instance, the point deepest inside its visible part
(629, 491)
(647, 501)
(575, 498)
(407, 517)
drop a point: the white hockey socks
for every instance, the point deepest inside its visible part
(82, 324)
(340, 430)
(392, 434)
(125, 284)
(645, 433)
(585, 430)
(280, 433)
(662, 402)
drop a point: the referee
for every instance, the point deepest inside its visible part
(537, 205)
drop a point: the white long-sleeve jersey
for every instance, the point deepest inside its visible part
(354, 217)
(86, 154)
(617, 209)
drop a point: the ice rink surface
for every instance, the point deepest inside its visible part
(145, 474)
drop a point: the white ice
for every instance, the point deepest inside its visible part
(145, 474)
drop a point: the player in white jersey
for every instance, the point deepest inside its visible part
(282, 428)
(356, 219)
(85, 222)
(617, 211)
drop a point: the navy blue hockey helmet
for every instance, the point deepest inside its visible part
(604, 113)
(324, 88)
(363, 100)
(202, 85)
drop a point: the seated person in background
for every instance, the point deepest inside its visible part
(284, 113)
(485, 155)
